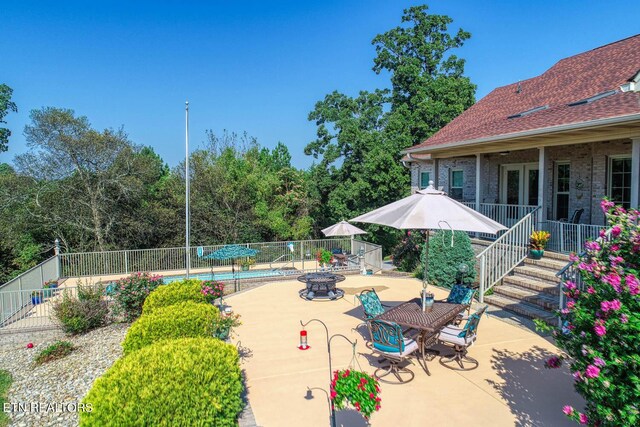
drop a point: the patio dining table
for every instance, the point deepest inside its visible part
(428, 322)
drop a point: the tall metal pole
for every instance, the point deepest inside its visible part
(186, 176)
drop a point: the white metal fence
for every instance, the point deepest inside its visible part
(507, 215)
(566, 237)
(35, 277)
(505, 253)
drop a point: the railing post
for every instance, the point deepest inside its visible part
(483, 274)
(126, 262)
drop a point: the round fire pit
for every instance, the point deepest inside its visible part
(321, 286)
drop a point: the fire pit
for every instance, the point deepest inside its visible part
(321, 286)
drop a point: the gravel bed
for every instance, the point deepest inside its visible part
(61, 382)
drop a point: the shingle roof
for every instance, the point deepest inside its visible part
(569, 80)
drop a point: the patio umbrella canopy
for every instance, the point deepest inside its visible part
(430, 209)
(231, 252)
(343, 228)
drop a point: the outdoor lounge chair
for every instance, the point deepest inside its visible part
(460, 339)
(389, 342)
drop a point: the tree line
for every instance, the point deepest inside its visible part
(98, 190)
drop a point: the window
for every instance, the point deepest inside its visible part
(455, 184)
(563, 177)
(619, 182)
(424, 179)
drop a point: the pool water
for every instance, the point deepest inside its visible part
(225, 276)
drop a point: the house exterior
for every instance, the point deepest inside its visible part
(561, 141)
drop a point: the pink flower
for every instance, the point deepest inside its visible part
(633, 284)
(333, 394)
(568, 410)
(571, 304)
(592, 246)
(616, 230)
(598, 362)
(592, 371)
(569, 285)
(614, 248)
(591, 290)
(553, 362)
(573, 257)
(577, 376)
(610, 305)
(606, 205)
(599, 329)
(624, 318)
(614, 280)
(583, 419)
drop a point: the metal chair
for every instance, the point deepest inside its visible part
(389, 342)
(460, 339)
(464, 295)
(575, 218)
(371, 304)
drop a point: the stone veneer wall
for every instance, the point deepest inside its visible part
(588, 161)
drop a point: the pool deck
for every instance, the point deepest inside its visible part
(510, 387)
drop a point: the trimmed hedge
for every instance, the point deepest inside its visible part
(189, 381)
(187, 319)
(173, 293)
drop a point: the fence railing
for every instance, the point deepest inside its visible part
(566, 237)
(507, 215)
(35, 277)
(370, 253)
(505, 253)
(167, 259)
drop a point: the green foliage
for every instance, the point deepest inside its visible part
(601, 324)
(131, 292)
(323, 256)
(5, 383)
(190, 381)
(187, 319)
(445, 260)
(174, 293)
(406, 255)
(6, 106)
(55, 351)
(81, 313)
(355, 388)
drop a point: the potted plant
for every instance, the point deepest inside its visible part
(36, 297)
(48, 287)
(246, 264)
(324, 258)
(227, 322)
(537, 241)
(357, 389)
(212, 290)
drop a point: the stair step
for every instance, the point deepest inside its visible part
(534, 284)
(556, 255)
(521, 308)
(548, 263)
(480, 242)
(537, 272)
(541, 299)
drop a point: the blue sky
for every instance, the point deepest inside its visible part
(256, 66)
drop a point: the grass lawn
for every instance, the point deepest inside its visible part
(5, 382)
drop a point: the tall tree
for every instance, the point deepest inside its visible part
(429, 88)
(6, 106)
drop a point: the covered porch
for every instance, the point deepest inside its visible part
(558, 177)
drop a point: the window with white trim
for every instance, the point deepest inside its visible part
(619, 182)
(456, 182)
(425, 177)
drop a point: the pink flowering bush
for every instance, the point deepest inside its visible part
(601, 324)
(357, 388)
(131, 292)
(212, 290)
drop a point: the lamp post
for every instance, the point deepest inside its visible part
(463, 268)
(186, 177)
(304, 346)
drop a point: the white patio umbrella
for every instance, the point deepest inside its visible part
(430, 209)
(343, 228)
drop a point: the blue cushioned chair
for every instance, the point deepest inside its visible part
(371, 303)
(389, 342)
(460, 339)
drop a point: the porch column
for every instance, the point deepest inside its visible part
(478, 181)
(542, 177)
(635, 172)
(436, 174)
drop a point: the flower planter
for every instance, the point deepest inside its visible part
(244, 267)
(536, 253)
(223, 334)
(35, 300)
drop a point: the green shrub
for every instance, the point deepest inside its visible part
(81, 313)
(182, 382)
(445, 260)
(187, 319)
(406, 255)
(174, 293)
(5, 382)
(57, 350)
(130, 293)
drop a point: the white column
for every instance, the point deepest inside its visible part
(635, 172)
(478, 181)
(542, 200)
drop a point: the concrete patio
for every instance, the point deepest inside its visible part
(511, 386)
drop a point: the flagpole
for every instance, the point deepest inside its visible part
(186, 175)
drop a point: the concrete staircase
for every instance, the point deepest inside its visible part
(532, 290)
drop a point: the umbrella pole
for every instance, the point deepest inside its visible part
(425, 269)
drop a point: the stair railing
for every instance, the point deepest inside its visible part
(505, 253)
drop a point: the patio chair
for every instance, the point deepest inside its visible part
(575, 218)
(464, 295)
(389, 342)
(460, 339)
(371, 304)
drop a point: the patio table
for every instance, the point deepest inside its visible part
(429, 323)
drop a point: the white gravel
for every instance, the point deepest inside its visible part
(62, 382)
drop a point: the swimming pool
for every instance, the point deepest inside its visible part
(227, 276)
